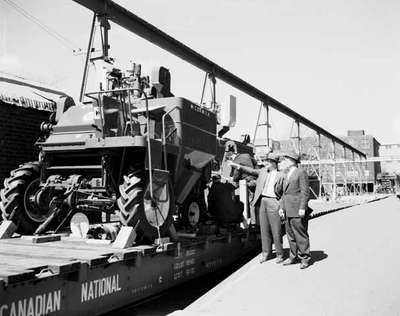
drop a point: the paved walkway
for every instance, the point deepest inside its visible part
(356, 271)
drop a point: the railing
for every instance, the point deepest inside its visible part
(340, 161)
(101, 106)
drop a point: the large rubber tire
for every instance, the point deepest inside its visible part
(13, 199)
(132, 211)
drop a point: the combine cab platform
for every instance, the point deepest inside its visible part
(71, 277)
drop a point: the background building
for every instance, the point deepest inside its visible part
(344, 173)
(370, 146)
(390, 170)
(22, 109)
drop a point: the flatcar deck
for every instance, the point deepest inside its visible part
(69, 277)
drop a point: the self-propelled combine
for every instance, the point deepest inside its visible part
(129, 153)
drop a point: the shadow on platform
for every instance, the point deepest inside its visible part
(316, 255)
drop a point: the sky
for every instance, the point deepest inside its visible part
(335, 62)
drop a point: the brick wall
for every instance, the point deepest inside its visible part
(19, 130)
(370, 146)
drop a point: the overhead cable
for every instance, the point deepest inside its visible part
(62, 39)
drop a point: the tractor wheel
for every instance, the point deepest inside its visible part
(16, 198)
(192, 211)
(136, 209)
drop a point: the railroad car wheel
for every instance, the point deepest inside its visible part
(16, 202)
(137, 210)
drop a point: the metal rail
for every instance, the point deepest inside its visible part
(135, 24)
(31, 85)
(339, 161)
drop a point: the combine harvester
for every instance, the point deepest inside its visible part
(128, 166)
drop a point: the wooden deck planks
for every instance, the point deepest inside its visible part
(38, 251)
(64, 244)
(57, 247)
(22, 261)
(22, 256)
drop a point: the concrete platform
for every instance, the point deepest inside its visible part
(356, 271)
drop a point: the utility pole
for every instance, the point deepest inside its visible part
(298, 136)
(319, 166)
(267, 123)
(334, 193)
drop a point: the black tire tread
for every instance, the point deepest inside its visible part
(131, 196)
(131, 209)
(12, 196)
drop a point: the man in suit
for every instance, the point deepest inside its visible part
(294, 208)
(268, 191)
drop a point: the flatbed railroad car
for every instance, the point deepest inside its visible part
(71, 276)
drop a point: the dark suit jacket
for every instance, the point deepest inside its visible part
(296, 193)
(262, 175)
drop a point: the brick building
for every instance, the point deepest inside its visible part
(368, 145)
(21, 113)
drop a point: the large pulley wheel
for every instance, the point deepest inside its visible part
(150, 218)
(18, 198)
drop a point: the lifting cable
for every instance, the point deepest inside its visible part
(204, 88)
(153, 201)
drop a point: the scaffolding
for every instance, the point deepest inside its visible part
(338, 168)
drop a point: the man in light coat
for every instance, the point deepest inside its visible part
(294, 208)
(268, 191)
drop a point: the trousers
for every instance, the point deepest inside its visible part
(297, 235)
(270, 226)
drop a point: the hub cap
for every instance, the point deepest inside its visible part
(34, 202)
(157, 211)
(193, 213)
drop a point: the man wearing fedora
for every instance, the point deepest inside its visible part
(294, 208)
(268, 191)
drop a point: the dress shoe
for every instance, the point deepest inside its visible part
(289, 261)
(264, 257)
(279, 259)
(304, 265)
